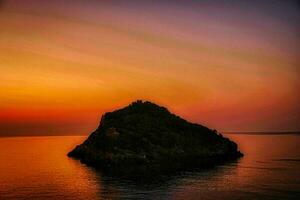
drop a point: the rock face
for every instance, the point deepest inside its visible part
(146, 138)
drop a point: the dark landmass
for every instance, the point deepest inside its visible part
(144, 138)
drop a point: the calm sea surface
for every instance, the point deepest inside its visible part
(38, 168)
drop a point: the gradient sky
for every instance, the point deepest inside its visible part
(230, 65)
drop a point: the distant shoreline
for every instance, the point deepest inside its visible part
(10, 136)
(226, 133)
(264, 133)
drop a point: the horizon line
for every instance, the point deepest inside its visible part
(224, 132)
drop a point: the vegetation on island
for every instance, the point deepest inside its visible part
(144, 138)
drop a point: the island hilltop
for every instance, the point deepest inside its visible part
(146, 138)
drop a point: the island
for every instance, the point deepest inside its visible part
(144, 138)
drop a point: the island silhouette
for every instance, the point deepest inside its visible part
(144, 138)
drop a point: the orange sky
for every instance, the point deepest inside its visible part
(64, 63)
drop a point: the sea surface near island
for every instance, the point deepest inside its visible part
(38, 168)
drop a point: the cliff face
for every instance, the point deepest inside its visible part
(146, 138)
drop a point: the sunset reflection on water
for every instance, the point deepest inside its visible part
(38, 168)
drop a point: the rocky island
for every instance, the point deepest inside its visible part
(144, 138)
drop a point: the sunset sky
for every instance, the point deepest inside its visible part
(230, 65)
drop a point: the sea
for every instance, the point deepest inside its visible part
(38, 168)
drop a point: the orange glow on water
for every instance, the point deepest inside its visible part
(38, 168)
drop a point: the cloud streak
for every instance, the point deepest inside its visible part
(215, 63)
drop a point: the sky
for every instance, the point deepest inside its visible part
(229, 65)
